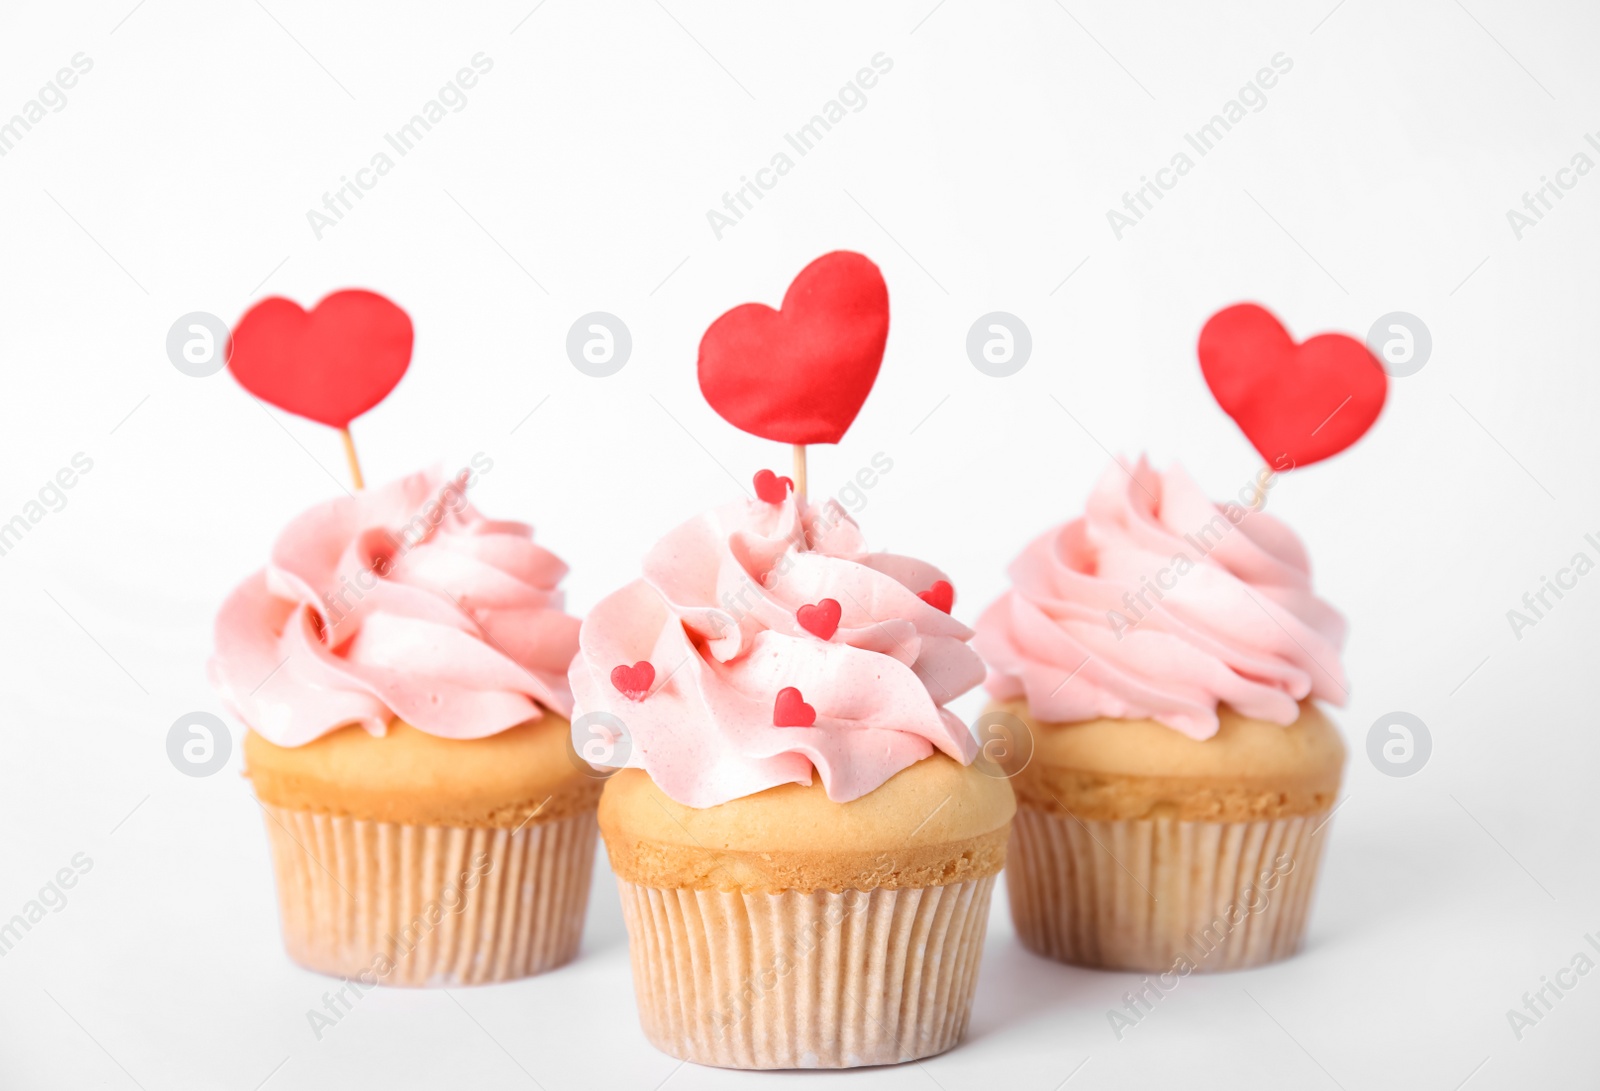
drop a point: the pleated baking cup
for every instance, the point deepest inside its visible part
(1160, 894)
(806, 980)
(391, 904)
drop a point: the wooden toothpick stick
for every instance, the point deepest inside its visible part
(800, 471)
(350, 457)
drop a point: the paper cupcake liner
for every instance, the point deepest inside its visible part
(391, 904)
(806, 980)
(1150, 894)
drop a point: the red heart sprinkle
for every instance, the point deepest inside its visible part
(821, 620)
(634, 682)
(772, 488)
(791, 711)
(941, 596)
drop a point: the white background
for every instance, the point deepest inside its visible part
(577, 178)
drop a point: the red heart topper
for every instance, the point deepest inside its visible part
(331, 363)
(1297, 404)
(800, 374)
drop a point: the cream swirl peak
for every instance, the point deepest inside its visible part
(755, 599)
(1159, 604)
(401, 601)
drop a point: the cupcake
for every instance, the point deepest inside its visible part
(1165, 656)
(804, 848)
(400, 664)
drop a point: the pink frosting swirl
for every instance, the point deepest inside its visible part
(399, 601)
(716, 617)
(1158, 604)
